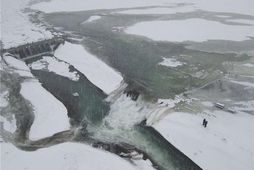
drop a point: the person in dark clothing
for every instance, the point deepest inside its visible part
(205, 122)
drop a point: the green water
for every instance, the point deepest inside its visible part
(88, 106)
(137, 59)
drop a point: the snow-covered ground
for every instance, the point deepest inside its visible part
(80, 5)
(197, 30)
(16, 29)
(67, 156)
(47, 109)
(170, 62)
(242, 21)
(232, 6)
(99, 73)
(226, 143)
(51, 64)
(9, 124)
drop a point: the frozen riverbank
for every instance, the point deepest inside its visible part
(63, 156)
(226, 144)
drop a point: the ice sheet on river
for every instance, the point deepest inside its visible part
(51, 64)
(50, 114)
(99, 73)
(197, 30)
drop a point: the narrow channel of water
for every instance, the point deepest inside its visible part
(90, 106)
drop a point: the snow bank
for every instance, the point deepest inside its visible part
(51, 64)
(92, 19)
(100, 74)
(16, 29)
(226, 143)
(170, 62)
(233, 6)
(63, 156)
(197, 30)
(50, 114)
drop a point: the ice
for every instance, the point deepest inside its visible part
(197, 30)
(100, 74)
(92, 19)
(47, 108)
(169, 10)
(170, 62)
(51, 64)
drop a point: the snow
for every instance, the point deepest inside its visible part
(80, 5)
(230, 6)
(3, 98)
(18, 66)
(64, 156)
(16, 29)
(125, 113)
(226, 143)
(92, 19)
(244, 83)
(197, 30)
(50, 114)
(242, 21)
(171, 10)
(248, 65)
(53, 65)
(170, 62)
(100, 74)
(8, 125)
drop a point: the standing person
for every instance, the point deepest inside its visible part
(205, 123)
(204, 120)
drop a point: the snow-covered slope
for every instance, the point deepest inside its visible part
(67, 156)
(226, 143)
(99, 73)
